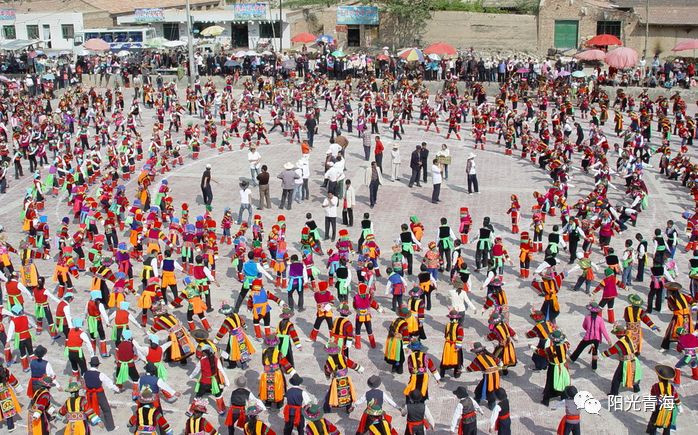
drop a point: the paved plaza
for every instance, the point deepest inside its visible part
(499, 176)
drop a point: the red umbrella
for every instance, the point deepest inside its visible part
(604, 40)
(592, 54)
(688, 44)
(621, 58)
(382, 57)
(441, 48)
(304, 38)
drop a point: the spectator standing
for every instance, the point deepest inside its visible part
(415, 164)
(330, 206)
(378, 152)
(305, 169)
(348, 204)
(287, 177)
(444, 156)
(254, 158)
(373, 179)
(471, 172)
(366, 141)
(298, 182)
(245, 202)
(263, 183)
(396, 160)
(310, 126)
(436, 179)
(424, 160)
(206, 191)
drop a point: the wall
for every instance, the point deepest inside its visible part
(661, 39)
(54, 20)
(482, 31)
(460, 29)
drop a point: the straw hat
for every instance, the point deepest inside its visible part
(288, 166)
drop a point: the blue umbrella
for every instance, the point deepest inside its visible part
(48, 76)
(232, 63)
(327, 39)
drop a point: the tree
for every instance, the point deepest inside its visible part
(402, 21)
(409, 19)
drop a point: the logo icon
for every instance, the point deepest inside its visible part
(584, 400)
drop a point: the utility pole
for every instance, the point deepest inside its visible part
(190, 46)
(281, 28)
(647, 27)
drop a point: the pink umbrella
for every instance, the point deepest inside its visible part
(688, 44)
(96, 44)
(621, 58)
(593, 54)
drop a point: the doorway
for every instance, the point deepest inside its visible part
(353, 36)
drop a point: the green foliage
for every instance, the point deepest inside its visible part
(463, 6)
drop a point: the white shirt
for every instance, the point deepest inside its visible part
(299, 180)
(458, 412)
(245, 195)
(334, 149)
(330, 206)
(350, 196)
(470, 167)
(395, 155)
(254, 158)
(436, 174)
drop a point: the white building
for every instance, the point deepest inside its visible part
(56, 30)
(244, 28)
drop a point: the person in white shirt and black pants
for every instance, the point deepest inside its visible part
(330, 206)
(373, 177)
(436, 179)
(472, 174)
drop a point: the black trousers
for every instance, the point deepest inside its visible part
(288, 426)
(330, 222)
(594, 351)
(436, 192)
(348, 216)
(472, 184)
(373, 192)
(408, 257)
(414, 178)
(207, 194)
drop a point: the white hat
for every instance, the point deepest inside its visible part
(471, 156)
(208, 166)
(288, 165)
(396, 145)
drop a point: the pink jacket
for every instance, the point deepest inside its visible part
(595, 328)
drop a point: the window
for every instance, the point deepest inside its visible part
(68, 31)
(91, 35)
(170, 31)
(566, 34)
(135, 36)
(268, 30)
(608, 28)
(9, 32)
(32, 31)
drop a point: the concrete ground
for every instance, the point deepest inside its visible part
(499, 176)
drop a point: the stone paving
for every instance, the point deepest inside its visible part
(499, 176)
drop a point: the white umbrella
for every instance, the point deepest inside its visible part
(434, 56)
(266, 53)
(251, 53)
(174, 44)
(240, 53)
(123, 53)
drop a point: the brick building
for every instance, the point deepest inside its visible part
(564, 25)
